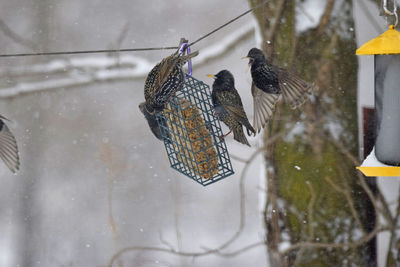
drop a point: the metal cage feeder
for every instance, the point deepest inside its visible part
(191, 135)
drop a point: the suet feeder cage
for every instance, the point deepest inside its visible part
(191, 135)
(386, 51)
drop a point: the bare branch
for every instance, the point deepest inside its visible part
(217, 250)
(349, 199)
(109, 155)
(392, 241)
(165, 242)
(363, 240)
(361, 178)
(209, 251)
(17, 38)
(184, 253)
(274, 27)
(325, 17)
(310, 211)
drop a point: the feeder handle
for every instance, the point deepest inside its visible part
(394, 13)
(182, 50)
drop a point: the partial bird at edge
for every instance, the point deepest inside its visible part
(8, 147)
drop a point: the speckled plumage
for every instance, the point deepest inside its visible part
(228, 106)
(8, 147)
(269, 83)
(164, 80)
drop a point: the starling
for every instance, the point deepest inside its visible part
(164, 80)
(8, 147)
(228, 106)
(269, 82)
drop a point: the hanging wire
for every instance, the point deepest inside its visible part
(88, 51)
(394, 13)
(133, 49)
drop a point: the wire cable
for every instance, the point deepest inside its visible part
(132, 49)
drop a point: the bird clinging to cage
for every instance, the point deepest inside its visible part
(162, 82)
(153, 124)
(8, 147)
(269, 83)
(228, 106)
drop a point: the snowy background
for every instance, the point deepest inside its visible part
(93, 179)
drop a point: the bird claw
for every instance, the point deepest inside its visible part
(249, 133)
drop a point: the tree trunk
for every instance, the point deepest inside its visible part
(313, 191)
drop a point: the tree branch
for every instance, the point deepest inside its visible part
(348, 197)
(323, 22)
(310, 211)
(355, 244)
(242, 222)
(17, 38)
(273, 29)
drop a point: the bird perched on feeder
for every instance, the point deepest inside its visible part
(269, 83)
(228, 106)
(8, 147)
(162, 82)
(151, 120)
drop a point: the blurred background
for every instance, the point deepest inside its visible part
(95, 187)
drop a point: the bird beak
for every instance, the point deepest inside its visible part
(244, 57)
(211, 75)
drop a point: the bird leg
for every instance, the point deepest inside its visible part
(225, 135)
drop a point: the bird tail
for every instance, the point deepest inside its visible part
(9, 149)
(239, 136)
(189, 56)
(295, 91)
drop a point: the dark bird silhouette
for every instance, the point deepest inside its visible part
(8, 147)
(269, 83)
(152, 121)
(228, 106)
(162, 82)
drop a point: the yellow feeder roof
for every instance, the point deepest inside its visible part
(386, 43)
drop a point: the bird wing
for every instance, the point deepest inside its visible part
(160, 73)
(163, 80)
(8, 148)
(171, 64)
(295, 91)
(149, 84)
(232, 103)
(264, 106)
(166, 66)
